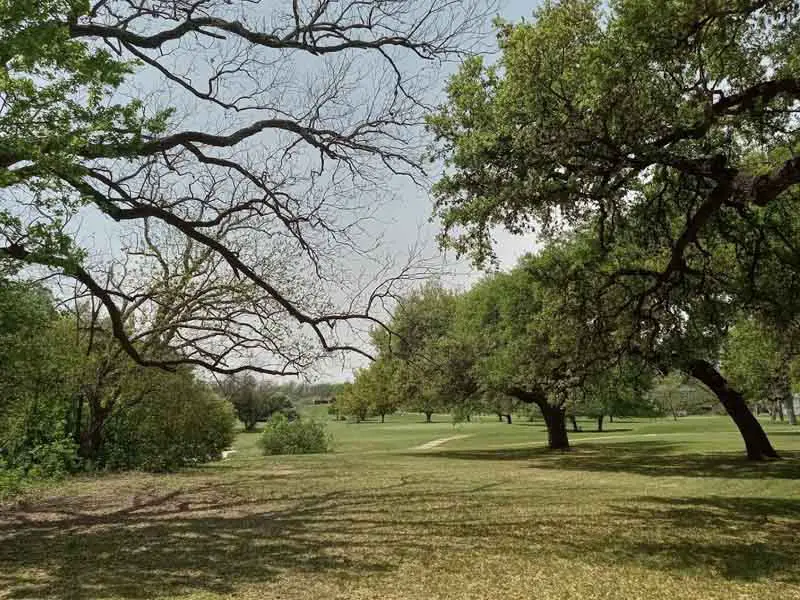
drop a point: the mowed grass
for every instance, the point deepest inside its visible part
(648, 509)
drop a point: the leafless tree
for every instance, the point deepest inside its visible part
(287, 125)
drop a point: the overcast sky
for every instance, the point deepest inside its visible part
(404, 220)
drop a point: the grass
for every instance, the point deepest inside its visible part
(649, 509)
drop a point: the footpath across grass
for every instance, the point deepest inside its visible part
(647, 509)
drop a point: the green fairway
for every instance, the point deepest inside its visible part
(648, 509)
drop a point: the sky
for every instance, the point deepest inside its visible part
(404, 220)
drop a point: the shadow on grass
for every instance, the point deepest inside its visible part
(167, 545)
(653, 458)
(208, 539)
(737, 538)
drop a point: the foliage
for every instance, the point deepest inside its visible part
(662, 132)
(374, 391)
(301, 436)
(429, 368)
(353, 402)
(663, 511)
(762, 362)
(587, 100)
(36, 384)
(182, 422)
(676, 395)
(619, 391)
(255, 401)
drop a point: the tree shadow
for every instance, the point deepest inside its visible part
(208, 538)
(738, 538)
(651, 458)
(172, 544)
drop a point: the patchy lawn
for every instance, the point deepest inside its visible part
(649, 509)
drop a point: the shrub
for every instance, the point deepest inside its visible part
(300, 436)
(33, 440)
(186, 424)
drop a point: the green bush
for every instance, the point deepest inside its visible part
(33, 439)
(186, 424)
(11, 482)
(300, 436)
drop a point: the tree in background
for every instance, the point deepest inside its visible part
(277, 196)
(643, 126)
(353, 402)
(255, 401)
(759, 361)
(677, 395)
(499, 404)
(431, 368)
(378, 386)
(621, 390)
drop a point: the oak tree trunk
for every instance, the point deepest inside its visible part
(755, 439)
(555, 419)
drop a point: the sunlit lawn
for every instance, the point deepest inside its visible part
(648, 509)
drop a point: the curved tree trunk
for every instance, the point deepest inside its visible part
(755, 439)
(555, 419)
(428, 416)
(554, 416)
(508, 419)
(600, 423)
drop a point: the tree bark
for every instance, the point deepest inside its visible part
(508, 419)
(428, 416)
(383, 417)
(555, 419)
(600, 423)
(755, 439)
(91, 443)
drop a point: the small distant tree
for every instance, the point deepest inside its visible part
(255, 401)
(377, 387)
(500, 404)
(677, 395)
(619, 390)
(430, 367)
(353, 402)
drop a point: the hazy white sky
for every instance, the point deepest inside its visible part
(404, 220)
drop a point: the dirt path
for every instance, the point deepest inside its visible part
(439, 442)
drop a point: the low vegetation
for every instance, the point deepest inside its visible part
(299, 436)
(654, 508)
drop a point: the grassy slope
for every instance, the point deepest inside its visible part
(645, 511)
